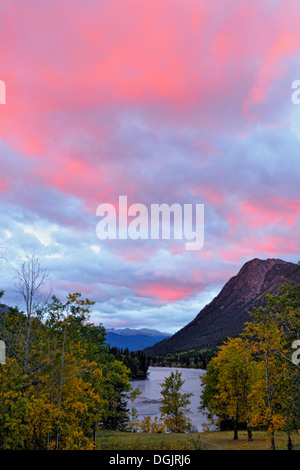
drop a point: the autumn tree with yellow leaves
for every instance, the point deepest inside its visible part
(71, 384)
(253, 379)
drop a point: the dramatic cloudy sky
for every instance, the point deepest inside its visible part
(164, 101)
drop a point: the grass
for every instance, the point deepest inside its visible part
(223, 440)
(113, 440)
(220, 440)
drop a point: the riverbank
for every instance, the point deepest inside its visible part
(219, 440)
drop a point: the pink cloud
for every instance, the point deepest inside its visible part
(211, 194)
(284, 44)
(166, 292)
(190, 73)
(260, 245)
(125, 53)
(270, 212)
(4, 185)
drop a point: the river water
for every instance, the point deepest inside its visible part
(148, 403)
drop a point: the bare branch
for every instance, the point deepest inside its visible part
(31, 277)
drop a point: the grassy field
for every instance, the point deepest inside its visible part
(224, 441)
(221, 440)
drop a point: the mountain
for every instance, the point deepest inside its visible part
(134, 340)
(226, 314)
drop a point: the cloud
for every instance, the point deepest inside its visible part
(162, 101)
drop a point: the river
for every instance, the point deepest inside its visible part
(148, 403)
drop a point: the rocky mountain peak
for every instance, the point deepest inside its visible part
(226, 314)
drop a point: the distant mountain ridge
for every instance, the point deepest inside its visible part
(227, 313)
(134, 339)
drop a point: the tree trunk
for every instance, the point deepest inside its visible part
(289, 439)
(60, 389)
(27, 341)
(271, 427)
(94, 432)
(249, 431)
(235, 436)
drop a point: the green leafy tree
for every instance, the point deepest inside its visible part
(133, 423)
(210, 406)
(73, 385)
(175, 403)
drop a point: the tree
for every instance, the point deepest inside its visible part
(272, 331)
(133, 423)
(31, 277)
(253, 377)
(149, 425)
(81, 359)
(175, 404)
(209, 403)
(227, 386)
(236, 374)
(73, 386)
(136, 361)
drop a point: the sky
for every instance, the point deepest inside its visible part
(162, 101)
